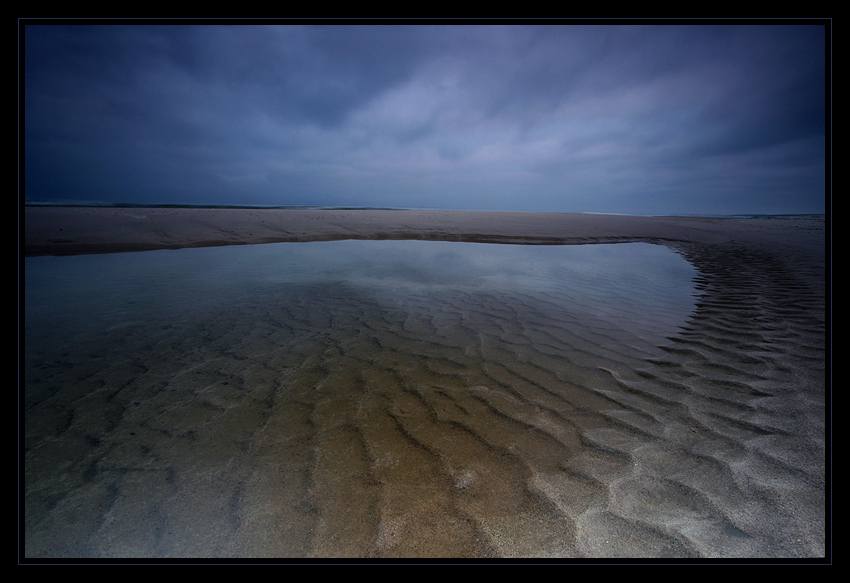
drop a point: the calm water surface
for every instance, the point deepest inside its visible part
(644, 288)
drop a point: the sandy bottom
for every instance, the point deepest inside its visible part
(459, 423)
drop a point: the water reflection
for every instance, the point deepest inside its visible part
(646, 288)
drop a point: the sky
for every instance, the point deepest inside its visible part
(627, 118)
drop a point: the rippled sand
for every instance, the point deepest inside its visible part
(452, 423)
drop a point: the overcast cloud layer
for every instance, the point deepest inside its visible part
(613, 119)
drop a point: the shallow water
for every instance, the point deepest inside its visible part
(644, 288)
(351, 398)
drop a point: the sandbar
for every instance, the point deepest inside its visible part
(80, 230)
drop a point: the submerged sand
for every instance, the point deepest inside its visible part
(481, 426)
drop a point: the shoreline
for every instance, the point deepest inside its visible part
(88, 230)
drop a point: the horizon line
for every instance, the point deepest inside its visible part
(101, 204)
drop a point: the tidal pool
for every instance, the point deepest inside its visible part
(347, 398)
(645, 288)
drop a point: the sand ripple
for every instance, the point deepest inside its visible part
(463, 424)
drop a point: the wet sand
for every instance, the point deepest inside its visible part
(57, 230)
(470, 426)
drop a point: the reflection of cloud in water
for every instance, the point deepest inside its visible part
(467, 264)
(642, 289)
(630, 282)
(635, 284)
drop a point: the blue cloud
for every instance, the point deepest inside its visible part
(632, 119)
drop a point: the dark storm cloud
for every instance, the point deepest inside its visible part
(642, 119)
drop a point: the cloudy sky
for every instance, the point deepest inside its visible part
(636, 119)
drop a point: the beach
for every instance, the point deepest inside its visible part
(72, 230)
(308, 421)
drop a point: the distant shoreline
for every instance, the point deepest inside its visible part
(95, 204)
